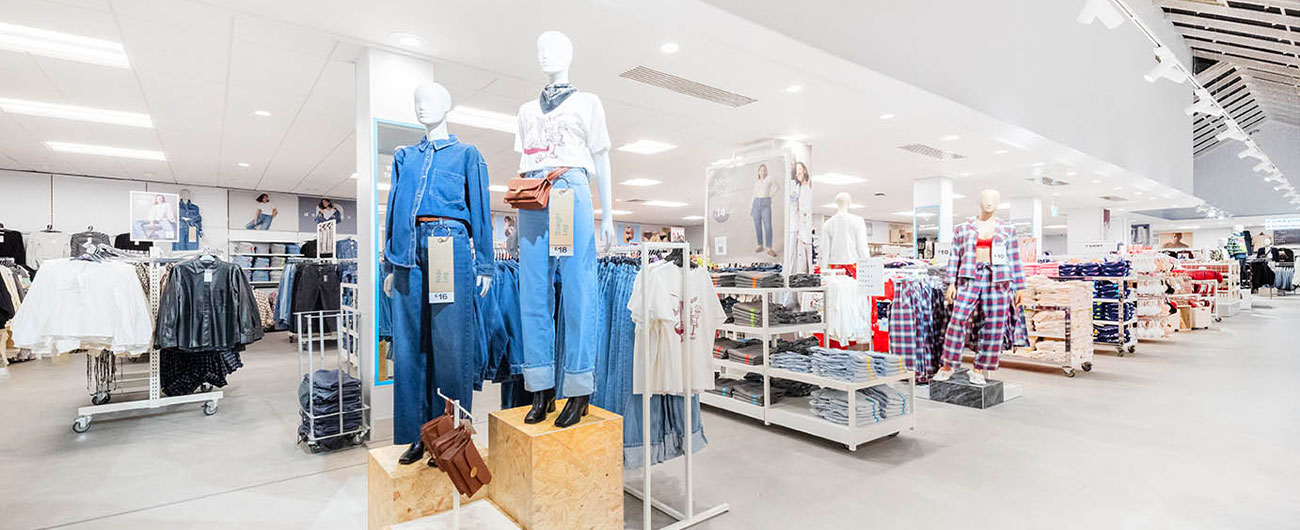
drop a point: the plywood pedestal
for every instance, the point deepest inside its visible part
(548, 478)
(398, 493)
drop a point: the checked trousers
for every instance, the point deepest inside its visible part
(994, 299)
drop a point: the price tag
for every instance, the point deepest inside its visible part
(1000, 254)
(942, 253)
(561, 229)
(2, 237)
(193, 235)
(442, 271)
(207, 276)
(871, 276)
(720, 245)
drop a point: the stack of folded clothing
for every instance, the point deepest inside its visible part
(752, 392)
(758, 279)
(723, 279)
(843, 365)
(791, 388)
(805, 280)
(784, 316)
(1110, 334)
(794, 362)
(1105, 311)
(871, 405)
(1107, 290)
(886, 364)
(721, 346)
(751, 353)
(1113, 268)
(751, 313)
(1068, 270)
(722, 385)
(804, 345)
(727, 304)
(324, 396)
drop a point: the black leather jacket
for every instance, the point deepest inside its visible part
(207, 307)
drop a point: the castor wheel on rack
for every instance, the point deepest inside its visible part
(1119, 352)
(1069, 371)
(1132, 349)
(81, 425)
(209, 408)
(100, 398)
(1218, 319)
(1087, 367)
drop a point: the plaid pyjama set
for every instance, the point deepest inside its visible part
(994, 299)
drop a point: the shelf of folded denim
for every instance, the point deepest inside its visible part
(827, 382)
(727, 403)
(331, 408)
(798, 414)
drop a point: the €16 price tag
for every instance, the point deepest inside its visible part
(442, 271)
(561, 228)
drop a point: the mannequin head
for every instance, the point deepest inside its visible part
(432, 101)
(989, 200)
(554, 53)
(1237, 229)
(843, 200)
(185, 194)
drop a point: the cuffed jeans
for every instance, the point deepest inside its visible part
(435, 346)
(577, 275)
(263, 222)
(761, 211)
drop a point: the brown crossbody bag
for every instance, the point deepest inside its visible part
(532, 194)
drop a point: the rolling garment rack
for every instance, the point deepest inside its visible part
(311, 355)
(688, 517)
(1075, 360)
(210, 399)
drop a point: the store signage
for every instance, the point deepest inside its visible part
(442, 270)
(871, 276)
(1282, 223)
(1099, 246)
(561, 229)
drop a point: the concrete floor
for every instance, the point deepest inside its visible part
(1196, 432)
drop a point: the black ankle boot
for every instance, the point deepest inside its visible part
(543, 402)
(412, 454)
(574, 409)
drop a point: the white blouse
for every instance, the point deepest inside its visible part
(84, 304)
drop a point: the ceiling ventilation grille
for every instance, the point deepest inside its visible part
(1113, 198)
(1048, 181)
(932, 152)
(634, 201)
(686, 87)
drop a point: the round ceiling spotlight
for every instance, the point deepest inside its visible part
(669, 48)
(410, 40)
(262, 114)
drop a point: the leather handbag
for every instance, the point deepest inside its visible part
(429, 432)
(532, 194)
(452, 446)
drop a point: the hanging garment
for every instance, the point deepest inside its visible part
(658, 304)
(190, 226)
(75, 304)
(123, 241)
(46, 245)
(12, 246)
(207, 305)
(82, 242)
(315, 288)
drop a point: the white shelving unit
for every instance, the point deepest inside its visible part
(794, 413)
(263, 239)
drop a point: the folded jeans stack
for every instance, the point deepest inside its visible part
(871, 405)
(324, 396)
(751, 354)
(794, 362)
(752, 393)
(805, 280)
(722, 346)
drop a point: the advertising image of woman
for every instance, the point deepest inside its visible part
(326, 211)
(266, 213)
(161, 224)
(760, 209)
(799, 233)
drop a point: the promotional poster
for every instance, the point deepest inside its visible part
(154, 216)
(746, 219)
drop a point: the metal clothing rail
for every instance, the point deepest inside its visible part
(688, 517)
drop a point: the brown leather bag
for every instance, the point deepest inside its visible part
(429, 432)
(453, 450)
(532, 194)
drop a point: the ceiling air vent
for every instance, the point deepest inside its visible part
(932, 152)
(1113, 198)
(1048, 181)
(634, 201)
(687, 87)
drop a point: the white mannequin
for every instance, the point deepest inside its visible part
(185, 195)
(844, 236)
(432, 102)
(555, 55)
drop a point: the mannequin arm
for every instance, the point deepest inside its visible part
(606, 197)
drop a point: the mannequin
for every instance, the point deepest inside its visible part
(190, 225)
(443, 212)
(562, 128)
(843, 238)
(985, 270)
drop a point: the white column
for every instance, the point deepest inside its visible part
(1027, 216)
(931, 192)
(1082, 225)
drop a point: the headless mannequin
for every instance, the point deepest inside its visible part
(432, 102)
(857, 238)
(986, 223)
(555, 56)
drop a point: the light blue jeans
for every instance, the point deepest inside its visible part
(761, 211)
(577, 275)
(263, 222)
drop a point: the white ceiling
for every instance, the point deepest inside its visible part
(201, 68)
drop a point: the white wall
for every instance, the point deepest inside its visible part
(1228, 182)
(1056, 244)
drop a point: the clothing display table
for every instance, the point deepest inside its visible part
(396, 494)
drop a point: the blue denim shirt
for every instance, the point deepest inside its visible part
(444, 178)
(190, 216)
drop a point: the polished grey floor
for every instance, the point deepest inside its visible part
(1196, 432)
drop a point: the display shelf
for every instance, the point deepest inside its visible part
(794, 413)
(826, 382)
(736, 367)
(767, 290)
(779, 329)
(730, 404)
(1116, 322)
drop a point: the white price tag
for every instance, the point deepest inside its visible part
(720, 245)
(2, 237)
(207, 276)
(442, 271)
(871, 276)
(1000, 254)
(942, 253)
(560, 208)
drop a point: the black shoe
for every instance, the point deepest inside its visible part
(543, 402)
(574, 410)
(412, 454)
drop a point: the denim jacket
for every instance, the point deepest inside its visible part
(444, 178)
(190, 216)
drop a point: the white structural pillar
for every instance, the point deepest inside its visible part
(1027, 216)
(933, 192)
(1083, 225)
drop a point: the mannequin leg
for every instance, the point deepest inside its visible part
(996, 303)
(453, 330)
(578, 294)
(756, 213)
(411, 404)
(536, 300)
(767, 223)
(963, 307)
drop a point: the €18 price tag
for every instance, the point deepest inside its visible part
(442, 271)
(561, 228)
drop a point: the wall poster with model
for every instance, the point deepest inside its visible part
(313, 210)
(746, 209)
(1175, 239)
(255, 210)
(154, 216)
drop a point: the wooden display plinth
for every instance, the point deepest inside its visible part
(398, 493)
(548, 478)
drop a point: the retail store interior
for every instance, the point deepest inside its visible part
(414, 265)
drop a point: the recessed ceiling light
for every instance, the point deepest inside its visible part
(65, 46)
(1137, 193)
(1117, 188)
(838, 179)
(664, 204)
(1054, 227)
(613, 212)
(646, 147)
(950, 138)
(1056, 194)
(693, 218)
(958, 196)
(887, 116)
(1004, 206)
(353, 176)
(964, 173)
(794, 88)
(69, 112)
(244, 164)
(498, 188)
(410, 40)
(669, 48)
(1000, 152)
(641, 182)
(262, 114)
(1096, 181)
(483, 119)
(1071, 173)
(103, 150)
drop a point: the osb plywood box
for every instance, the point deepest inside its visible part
(397, 493)
(548, 478)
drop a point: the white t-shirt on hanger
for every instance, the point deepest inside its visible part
(564, 137)
(661, 345)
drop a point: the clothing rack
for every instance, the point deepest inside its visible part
(155, 400)
(688, 517)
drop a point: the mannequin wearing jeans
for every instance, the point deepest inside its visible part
(563, 128)
(984, 271)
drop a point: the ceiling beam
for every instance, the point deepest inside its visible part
(1238, 40)
(1245, 14)
(1249, 29)
(1241, 62)
(1273, 78)
(1260, 58)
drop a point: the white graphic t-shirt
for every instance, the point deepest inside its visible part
(661, 344)
(564, 137)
